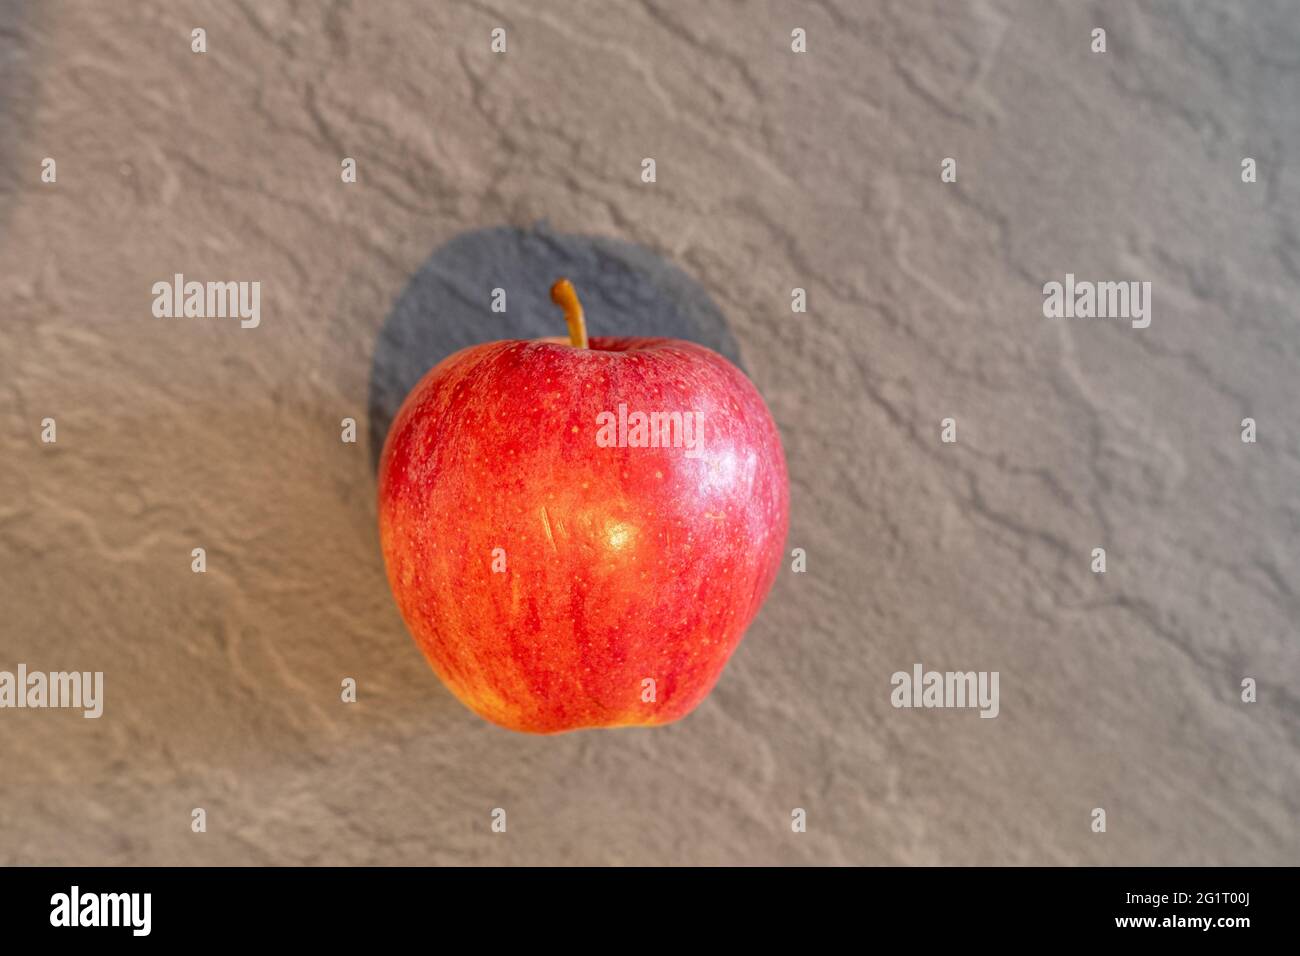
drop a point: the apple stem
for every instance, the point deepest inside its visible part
(566, 297)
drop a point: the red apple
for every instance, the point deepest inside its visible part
(560, 565)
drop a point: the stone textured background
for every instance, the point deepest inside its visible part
(775, 170)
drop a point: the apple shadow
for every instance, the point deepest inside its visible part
(626, 290)
(21, 97)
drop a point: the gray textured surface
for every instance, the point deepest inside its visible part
(775, 170)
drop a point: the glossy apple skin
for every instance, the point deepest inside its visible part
(622, 564)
